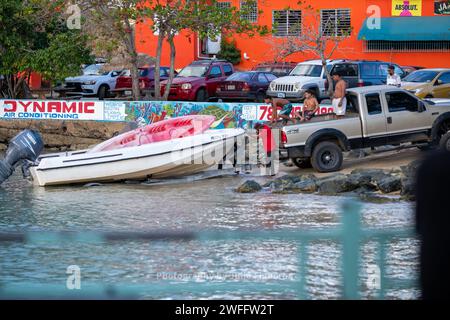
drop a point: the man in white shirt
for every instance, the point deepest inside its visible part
(392, 78)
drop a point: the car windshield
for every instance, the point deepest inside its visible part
(421, 76)
(95, 70)
(193, 71)
(309, 70)
(240, 76)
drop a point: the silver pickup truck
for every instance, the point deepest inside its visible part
(376, 116)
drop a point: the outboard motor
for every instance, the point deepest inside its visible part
(27, 145)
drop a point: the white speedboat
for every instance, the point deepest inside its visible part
(173, 147)
(168, 158)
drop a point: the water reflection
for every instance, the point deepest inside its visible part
(200, 205)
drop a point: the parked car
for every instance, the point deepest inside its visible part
(376, 116)
(428, 83)
(94, 82)
(311, 75)
(249, 85)
(361, 73)
(146, 79)
(279, 69)
(199, 80)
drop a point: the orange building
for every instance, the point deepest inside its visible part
(411, 33)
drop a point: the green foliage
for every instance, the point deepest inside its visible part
(229, 51)
(34, 37)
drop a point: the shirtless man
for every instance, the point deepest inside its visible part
(339, 101)
(284, 112)
(310, 107)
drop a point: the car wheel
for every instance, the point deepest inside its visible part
(302, 163)
(444, 143)
(327, 157)
(429, 96)
(260, 96)
(201, 95)
(103, 92)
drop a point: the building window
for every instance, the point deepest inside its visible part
(223, 5)
(406, 46)
(251, 9)
(287, 22)
(335, 22)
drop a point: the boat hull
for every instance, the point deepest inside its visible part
(158, 160)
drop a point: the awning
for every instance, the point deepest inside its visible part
(408, 29)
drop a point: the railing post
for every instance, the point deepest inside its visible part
(351, 230)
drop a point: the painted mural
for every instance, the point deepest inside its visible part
(228, 115)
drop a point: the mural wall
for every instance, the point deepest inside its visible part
(228, 115)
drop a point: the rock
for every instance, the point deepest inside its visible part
(409, 171)
(408, 189)
(3, 147)
(390, 184)
(336, 184)
(289, 187)
(362, 180)
(308, 185)
(249, 186)
(287, 180)
(376, 199)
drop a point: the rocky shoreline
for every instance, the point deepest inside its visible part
(62, 135)
(371, 185)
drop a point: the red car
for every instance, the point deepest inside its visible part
(199, 80)
(248, 85)
(146, 79)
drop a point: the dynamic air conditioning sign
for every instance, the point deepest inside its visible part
(406, 8)
(442, 6)
(54, 110)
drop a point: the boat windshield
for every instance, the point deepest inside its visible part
(193, 71)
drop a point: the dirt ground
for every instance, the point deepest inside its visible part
(386, 160)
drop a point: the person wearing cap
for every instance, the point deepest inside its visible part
(393, 79)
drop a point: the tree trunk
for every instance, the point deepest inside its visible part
(330, 90)
(172, 67)
(135, 78)
(158, 65)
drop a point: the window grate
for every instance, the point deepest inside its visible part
(287, 22)
(406, 46)
(223, 5)
(335, 22)
(252, 10)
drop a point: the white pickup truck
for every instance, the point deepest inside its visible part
(376, 116)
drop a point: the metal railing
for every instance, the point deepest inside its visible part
(349, 233)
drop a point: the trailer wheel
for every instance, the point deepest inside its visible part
(302, 163)
(327, 157)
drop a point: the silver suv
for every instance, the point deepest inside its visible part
(306, 75)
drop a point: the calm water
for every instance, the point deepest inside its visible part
(199, 205)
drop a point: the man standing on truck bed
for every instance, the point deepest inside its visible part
(339, 101)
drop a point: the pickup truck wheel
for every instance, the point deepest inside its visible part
(327, 157)
(302, 163)
(444, 143)
(201, 95)
(103, 92)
